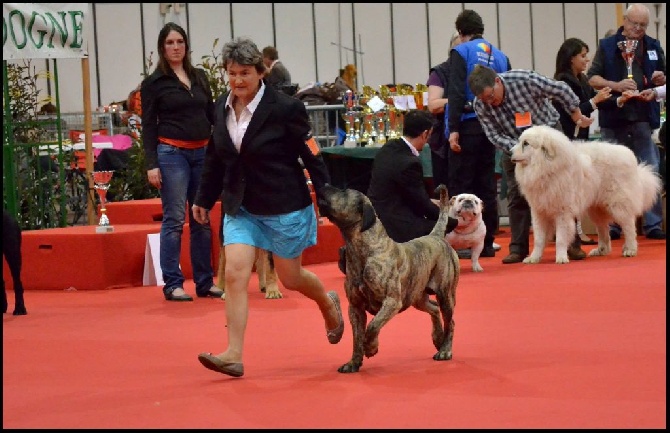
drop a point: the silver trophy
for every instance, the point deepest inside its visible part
(350, 119)
(627, 48)
(101, 181)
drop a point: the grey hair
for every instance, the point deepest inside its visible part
(244, 52)
(480, 78)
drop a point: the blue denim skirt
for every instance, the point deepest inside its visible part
(286, 235)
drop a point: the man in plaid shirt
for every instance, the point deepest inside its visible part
(507, 103)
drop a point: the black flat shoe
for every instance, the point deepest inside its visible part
(213, 292)
(179, 296)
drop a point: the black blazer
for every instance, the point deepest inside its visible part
(398, 194)
(265, 176)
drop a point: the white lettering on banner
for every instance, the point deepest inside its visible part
(44, 30)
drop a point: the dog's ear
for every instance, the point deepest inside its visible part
(548, 152)
(369, 216)
(452, 201)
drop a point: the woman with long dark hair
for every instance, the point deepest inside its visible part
(177, 118)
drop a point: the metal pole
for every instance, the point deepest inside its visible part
(360, 51)
(339, 31)
(90, 195)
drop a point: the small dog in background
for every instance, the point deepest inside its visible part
(11, 249)
(471, 230)
(267, 276)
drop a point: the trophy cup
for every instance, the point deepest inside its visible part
(627, 48)
(350, 119)
(101, 180)
(381, 127)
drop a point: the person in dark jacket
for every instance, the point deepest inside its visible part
(437, 102)
(261, 140)
(397, 190)
(277, 75)
(472, 156)
(631, 124)
(571, 61)
(177, 113)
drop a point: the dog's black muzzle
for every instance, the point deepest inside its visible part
(323, 200)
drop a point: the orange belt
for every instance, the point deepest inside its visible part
(184, 144)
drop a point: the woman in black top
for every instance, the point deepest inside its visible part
(177, 117)
(571, 62)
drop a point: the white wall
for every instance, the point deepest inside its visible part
(399, 41)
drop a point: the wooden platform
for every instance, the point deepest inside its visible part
(78, 257)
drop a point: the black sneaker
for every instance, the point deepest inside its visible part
(656, 234)
(488, 252)
(464, 253)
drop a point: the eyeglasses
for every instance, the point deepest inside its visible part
(633, 24)
(489, 97)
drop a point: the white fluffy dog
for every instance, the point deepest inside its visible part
(471, 231)
(563, 179)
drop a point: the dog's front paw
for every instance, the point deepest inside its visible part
(561, 260)
(532, 260)
(20, 311)
(371, 348)
(476, 267)
(442, 356)
(629, 252)
(350, 367)
(602, 250)
(272, 292)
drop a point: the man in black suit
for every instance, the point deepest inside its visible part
(397, 190)
(277, 75)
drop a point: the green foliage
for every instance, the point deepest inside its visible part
(38, 192)
(215, 71)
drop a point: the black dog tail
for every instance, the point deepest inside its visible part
(445, 223)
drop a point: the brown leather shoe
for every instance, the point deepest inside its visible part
(576, 253)
(235, 369)
(512, 258)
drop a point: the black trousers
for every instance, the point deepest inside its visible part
(472, 171)
(440, 169)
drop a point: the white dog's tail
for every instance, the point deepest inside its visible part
(445, 223)
(651, 185)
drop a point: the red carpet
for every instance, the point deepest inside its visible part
(581, 345)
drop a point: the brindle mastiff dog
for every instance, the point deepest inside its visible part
(384, 277)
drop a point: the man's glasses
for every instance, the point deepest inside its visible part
(488, 97)
(642, 26)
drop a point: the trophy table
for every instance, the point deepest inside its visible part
(101, 181)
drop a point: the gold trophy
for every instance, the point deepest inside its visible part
(627, 48)
(101, 180)
(420, 91)
(381, 127)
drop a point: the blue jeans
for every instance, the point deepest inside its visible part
(637, 137)
(180, 172)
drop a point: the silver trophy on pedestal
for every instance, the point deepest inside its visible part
(101, 181)
(350, 120)
(627, 48)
